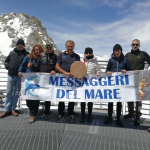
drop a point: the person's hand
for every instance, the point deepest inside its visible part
(98, 73)
(20, 75)
(109, 72)
(29, 64)
(123, 71)
(69, 74)
(52, 72)
(79, 78)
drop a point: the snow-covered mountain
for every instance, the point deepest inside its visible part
(14, 26)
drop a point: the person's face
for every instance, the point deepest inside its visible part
(135, 45)
(88, 54)
(144, 79)
(20, 47)
(70, 47)
(37, 51)
(49, 49)
(117, 53)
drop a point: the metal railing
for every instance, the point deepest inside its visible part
(99, 107)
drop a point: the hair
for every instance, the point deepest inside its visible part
(136, 40)
(33, 50)
(70, 41)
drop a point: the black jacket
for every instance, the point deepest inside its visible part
(137, 59)
(46, 63)
(118, 64)
(14, 60)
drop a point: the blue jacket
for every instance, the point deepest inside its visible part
(118, 64)
(23, 67)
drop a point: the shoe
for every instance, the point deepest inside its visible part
(148, 129)
(119, 123)
(32, 119)
(72, 119)
(14, 113)
(60, 118)
(82, 118)
(137, 122)
(128, 116)
(4, 114)
(46, 117)
(108, 120)
(89, 119)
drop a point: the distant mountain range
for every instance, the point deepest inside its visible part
(14, 26)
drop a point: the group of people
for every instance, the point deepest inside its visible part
(19, 60)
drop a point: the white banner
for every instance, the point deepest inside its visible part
(117, 87)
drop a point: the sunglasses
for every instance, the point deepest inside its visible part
(49, 46)
(88, 53)
(118, 50)
(135, 44)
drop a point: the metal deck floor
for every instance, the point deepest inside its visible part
(17, 134)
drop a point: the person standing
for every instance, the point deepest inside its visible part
(92, 68)
(137, 60)
(46, 63)
(63, 64)
(12, 63)
(33, 105)
(118, 63)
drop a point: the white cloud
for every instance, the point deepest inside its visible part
(103, 36)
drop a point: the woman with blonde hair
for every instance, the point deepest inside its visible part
(25, 67)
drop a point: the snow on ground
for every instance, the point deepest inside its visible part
(5, 43)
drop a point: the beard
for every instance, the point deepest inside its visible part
(134, 49)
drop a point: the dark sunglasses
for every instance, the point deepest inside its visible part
(88, 53)
(49, 46)
(135, 44)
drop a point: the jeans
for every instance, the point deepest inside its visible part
(12, 92)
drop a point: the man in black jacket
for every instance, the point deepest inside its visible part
(12, 63)
(137, 60)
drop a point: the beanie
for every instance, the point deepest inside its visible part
(20, 41)
(117, 47)
(88, 50)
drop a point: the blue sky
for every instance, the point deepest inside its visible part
(99, 24)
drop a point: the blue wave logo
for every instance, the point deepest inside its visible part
(30, 86)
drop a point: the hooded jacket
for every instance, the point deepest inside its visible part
(118, 64)
(14, 60)
(92, 65)
(137, 59)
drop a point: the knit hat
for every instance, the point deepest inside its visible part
(88, 50)
(20, 41)
(117, 47)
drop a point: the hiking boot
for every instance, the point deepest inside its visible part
(89, 119)
(46, 116)
(4, 114)
(60, 118)
(137, 122)
(108, 120)
(148, 129)
(14, 113)
(128, 116)
(72, 119)
(82, 118)
(32, 119)
(119, 123)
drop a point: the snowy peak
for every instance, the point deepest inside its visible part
(14, 26)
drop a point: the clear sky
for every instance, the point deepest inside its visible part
(99, 24)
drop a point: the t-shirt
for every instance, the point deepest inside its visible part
(66, 60)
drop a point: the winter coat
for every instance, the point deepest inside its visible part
(23, 67)
(118, 64)
(14, 60)
(137, 59)
(92, 65)
(46, 63)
